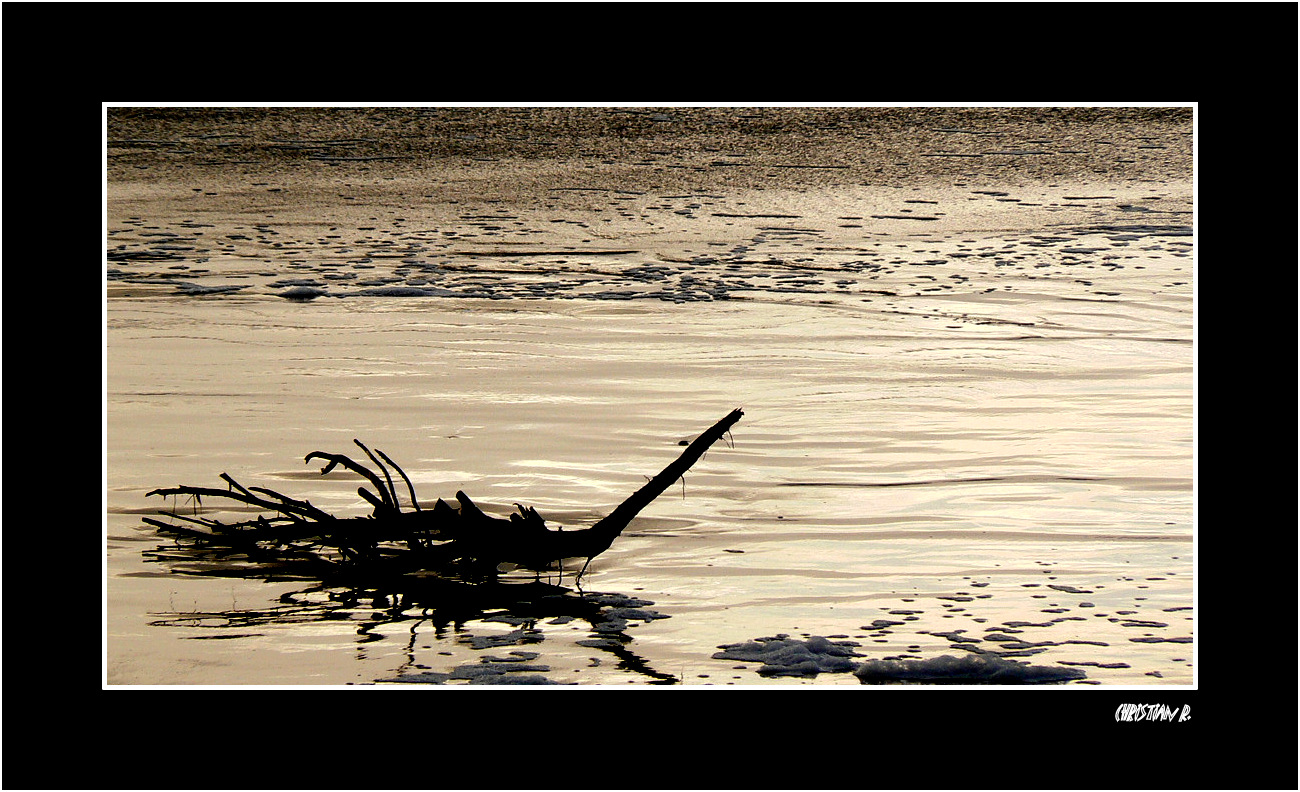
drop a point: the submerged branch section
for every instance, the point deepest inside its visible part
(461, 543)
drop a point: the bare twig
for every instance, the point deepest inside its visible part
(392, 493)
(339, 459)
(405, 478)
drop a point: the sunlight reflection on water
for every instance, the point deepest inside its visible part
(827, 497)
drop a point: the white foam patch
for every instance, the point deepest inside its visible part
(302, 293)
(196, 288)
(512, 638)
(515, 679)
(425, 678)
(636, 614)
(785, 656)
(400, 291)
(782, 655)
(483, 671)
(972, 668)
(616, 600)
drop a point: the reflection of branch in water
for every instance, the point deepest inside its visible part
(313, 607)
(429, 602)
(628, 660)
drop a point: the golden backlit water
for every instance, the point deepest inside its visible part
(968, 433)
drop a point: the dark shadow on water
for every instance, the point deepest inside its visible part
(428, 605)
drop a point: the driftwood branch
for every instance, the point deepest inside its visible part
(462, 542)
(409, 486)
(340, 459)
(390, 492)
(618, 519)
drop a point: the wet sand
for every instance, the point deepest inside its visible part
(963, 342)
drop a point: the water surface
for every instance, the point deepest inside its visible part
(968, 403)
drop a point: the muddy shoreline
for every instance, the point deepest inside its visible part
(657, 148)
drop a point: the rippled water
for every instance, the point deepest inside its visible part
(972, 440)
(902, 474)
